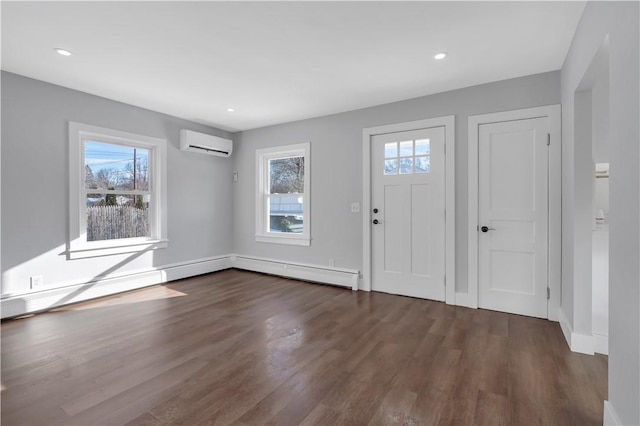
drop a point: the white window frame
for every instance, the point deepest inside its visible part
(263, 156)
(78, 246)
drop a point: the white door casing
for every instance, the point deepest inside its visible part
(512, 215)
(447, 123)
(532, 128)
(408, 206)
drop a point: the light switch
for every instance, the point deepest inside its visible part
(355, 207)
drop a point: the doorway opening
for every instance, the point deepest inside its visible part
(591, 204)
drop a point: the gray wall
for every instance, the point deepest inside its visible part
(35, 186)
(336, 158)
(600, 123)
(619, 20)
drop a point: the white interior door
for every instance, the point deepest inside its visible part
(408, 213)
(513, 164)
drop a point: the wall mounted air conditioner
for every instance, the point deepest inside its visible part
(205, 144)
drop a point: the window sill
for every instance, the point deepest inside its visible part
(83, 252)
(290, 240)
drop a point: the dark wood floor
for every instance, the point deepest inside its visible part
(244, 348)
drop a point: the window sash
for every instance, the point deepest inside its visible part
(131, 144)
(153, 225)
(268, 212)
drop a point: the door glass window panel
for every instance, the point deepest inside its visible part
(407, 157)
(406, 166)
(422, 164)
(391, 150)
(422, 147)
(406, 149)
(391, 167)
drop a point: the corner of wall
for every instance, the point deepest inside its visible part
(610, 418)
(581, 343)
(464, 299)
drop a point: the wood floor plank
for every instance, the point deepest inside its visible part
(145, 419)
(301, 387)
(394, 407)
(437, 389)
(321, 415)
(492, 409)
(126, 405)
(238, 347)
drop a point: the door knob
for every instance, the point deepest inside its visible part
(376, 210)
(487, 229)
(376, 221)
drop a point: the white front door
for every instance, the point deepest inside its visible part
(513, 164)
(408, 213)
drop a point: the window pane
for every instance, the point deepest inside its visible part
(110, 166)
(423, 164)
(286, 175)
(286, 213)
(113, 216)
(406, 149)
(286, 204)
(288, 224)
(406, 166)
(391, 150)
(422, 147)
(391, 167)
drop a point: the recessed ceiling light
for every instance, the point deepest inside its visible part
(230, 110)
(63, 52)
(440, 55)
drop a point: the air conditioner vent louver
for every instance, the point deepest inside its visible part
(225, 153)
(205, 144)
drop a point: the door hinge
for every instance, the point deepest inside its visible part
(548, 139)
(548, 293)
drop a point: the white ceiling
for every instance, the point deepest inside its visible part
(277, 62)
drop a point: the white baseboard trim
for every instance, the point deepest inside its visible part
(361, 286)
(17, 305)
(21, 304)
(610, 417)
(601, 344)
(464, 299)
(316, 273)
(578, 342)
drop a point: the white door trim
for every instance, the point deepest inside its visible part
(555, 200)
(448, 123)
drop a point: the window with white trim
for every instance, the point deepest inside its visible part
(413, 156)
(117, 192)
(282, 197)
